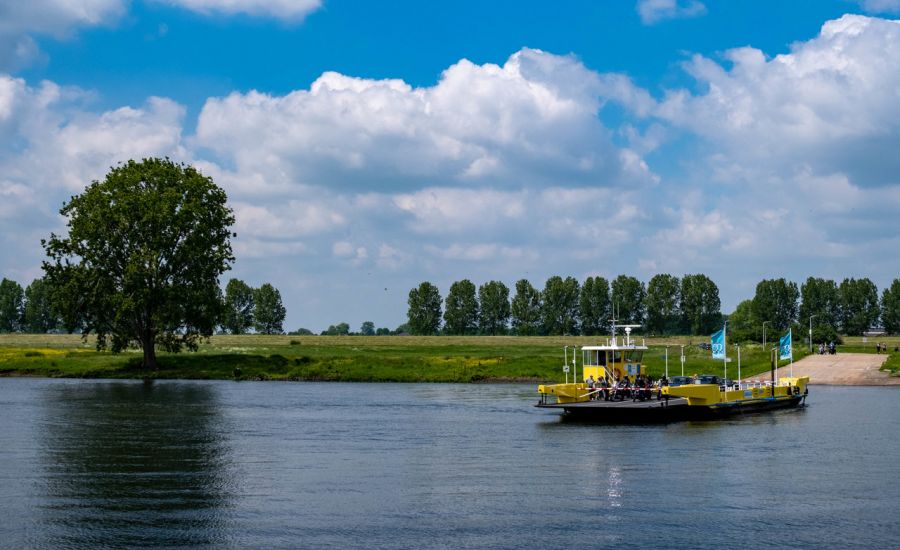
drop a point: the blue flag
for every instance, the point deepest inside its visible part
(718, 344)
(785, 351)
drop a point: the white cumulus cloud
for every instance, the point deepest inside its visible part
(830, 105)
(530, 121)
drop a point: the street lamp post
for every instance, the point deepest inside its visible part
(764, 333)
(810, 332)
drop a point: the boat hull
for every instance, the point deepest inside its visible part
(663, 411)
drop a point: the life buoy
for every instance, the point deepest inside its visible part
(617, 372)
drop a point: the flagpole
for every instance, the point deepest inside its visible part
(725, 351)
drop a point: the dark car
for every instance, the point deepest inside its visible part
(705, 345)
(680, 381)
(708, 379)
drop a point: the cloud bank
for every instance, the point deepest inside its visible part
(503, 171)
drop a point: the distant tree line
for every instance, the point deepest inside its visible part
(343, 329)
(665, 305)
(34, 309)
(851, 307)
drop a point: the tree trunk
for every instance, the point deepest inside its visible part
(149, 345)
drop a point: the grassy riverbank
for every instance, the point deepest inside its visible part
(354, 358)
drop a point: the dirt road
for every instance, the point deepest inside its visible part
(843, 369)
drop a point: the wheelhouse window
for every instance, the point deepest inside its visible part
(595, 358)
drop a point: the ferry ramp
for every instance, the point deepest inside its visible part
(841, 369)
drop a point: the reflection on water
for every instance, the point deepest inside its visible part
(135, 463)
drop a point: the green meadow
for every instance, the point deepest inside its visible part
(371, 359)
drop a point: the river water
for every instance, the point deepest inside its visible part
(107, 464)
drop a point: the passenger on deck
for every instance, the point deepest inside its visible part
(604, 389)
(662, 382)
(622, 389)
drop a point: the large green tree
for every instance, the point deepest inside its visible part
(526, 309)
(776, 302)
(39, 316)
(143, 256)
(237, 311)
(493, 297)
(594, 306)
(742, 326)
(820, 298)
(890, 308)
(559, 306)
(461, 308)
(268, 310)
(859, 305)
(628, 295)
(701, 308)
(663, 304)
(11, 305)
(424, 314)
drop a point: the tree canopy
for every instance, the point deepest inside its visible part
(821, 298)
(559, 306)
(38, 316)
(268, 310)
(526, 309)
(890, 307)
(701, 308)
(495, 310)
(143, 256)
(424, 314)
(461, 309)
(11, 305)
(594, 306)
(776, 302)
(663, 304)
(628, 300)
(859, 305)
(237, 314)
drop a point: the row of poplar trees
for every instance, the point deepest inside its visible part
(665, 305)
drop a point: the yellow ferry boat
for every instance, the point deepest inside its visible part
(617, 367)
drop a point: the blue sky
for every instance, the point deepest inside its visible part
(367, 146)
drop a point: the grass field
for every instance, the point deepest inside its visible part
(368, 359)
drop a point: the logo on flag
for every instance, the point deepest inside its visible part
(785, 351)
(718, 344)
